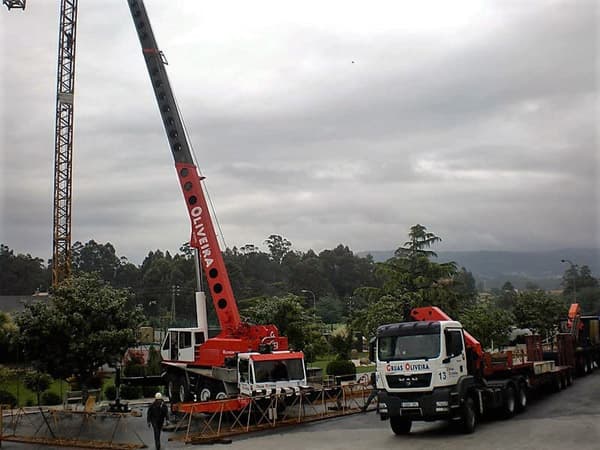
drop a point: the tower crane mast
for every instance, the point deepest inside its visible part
(63, 137)
(63, 142)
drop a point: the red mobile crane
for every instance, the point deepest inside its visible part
(243, 358)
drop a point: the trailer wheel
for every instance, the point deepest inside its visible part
(556, 384)
(522, 397)
(569, 377)
(509, 405)
(400, 425)
(468, 418)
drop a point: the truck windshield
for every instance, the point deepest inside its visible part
(279, 370)
(405, 347)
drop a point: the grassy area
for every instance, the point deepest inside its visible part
(25, 397)
(324, 360)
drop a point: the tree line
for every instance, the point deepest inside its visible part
(300, 292)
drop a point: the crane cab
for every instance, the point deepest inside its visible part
(180, 344)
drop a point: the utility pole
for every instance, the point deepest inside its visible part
(306, 291)
(573, 268)
(174, 292)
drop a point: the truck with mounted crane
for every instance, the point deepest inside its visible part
(243, 359)
(431, 368)
(578, 343)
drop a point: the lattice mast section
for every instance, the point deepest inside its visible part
(63, 146)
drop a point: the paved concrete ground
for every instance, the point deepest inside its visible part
(567, 420)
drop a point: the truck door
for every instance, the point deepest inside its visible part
(455, 363)
(186, 349)
(244, 377)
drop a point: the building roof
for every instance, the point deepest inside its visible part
(16, 303)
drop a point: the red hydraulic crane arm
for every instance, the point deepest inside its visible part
(435, 313)
(204, 238)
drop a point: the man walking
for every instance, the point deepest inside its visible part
(157, 414)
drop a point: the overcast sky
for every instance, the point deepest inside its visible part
(325, 122)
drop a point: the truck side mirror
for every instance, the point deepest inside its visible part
(372, 350)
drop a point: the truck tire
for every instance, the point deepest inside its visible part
(468, 416)
(205, 394)
(400, 425)
(510, 402)
(569, 377)
(184, 390)
(522, 397)
(172, 388)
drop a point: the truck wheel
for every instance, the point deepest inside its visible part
(173, 389)
(509, 405)
(569, 377)
(400, 425)
(468, 418)
(522, 397)
(205, 394)
(556, 384)
(221, 396)
(184, 391)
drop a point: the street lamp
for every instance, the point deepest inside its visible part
(306, 291)
(574, 268)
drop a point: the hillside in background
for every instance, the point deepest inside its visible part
(492, 269)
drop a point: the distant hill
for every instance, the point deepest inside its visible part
(492, 269)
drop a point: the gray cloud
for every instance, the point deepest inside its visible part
(343, 126)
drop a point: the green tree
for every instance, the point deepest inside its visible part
(22, 274)
(8, 335)
(290, 317)
(507, 296)
(278, 247)
(489, 324)
(37, 382)
(419, 241)
(84, 325)
(412, 271)
(539, 311)
(387, 309)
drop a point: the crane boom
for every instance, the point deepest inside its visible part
(203, 237)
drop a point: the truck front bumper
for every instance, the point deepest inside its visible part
(441, 403)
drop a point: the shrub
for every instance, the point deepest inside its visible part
(6, 398)
(110, 392)
(51, 398)
(134, 370)
(130, 392)
(340, 367)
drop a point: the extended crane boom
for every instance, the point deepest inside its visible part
(203, 236)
